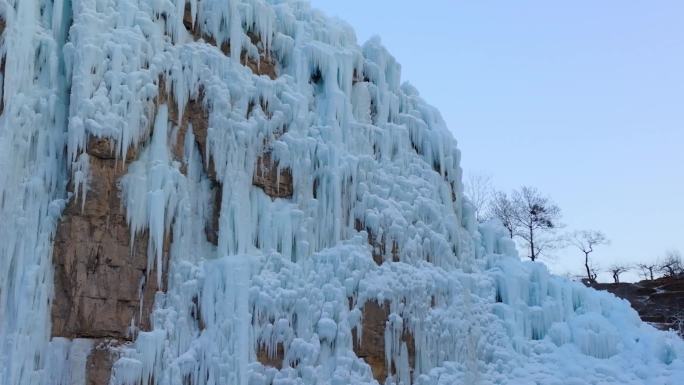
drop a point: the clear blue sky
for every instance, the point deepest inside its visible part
(583, 99)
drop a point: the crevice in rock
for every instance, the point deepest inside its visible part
(211, 228)
(196, 313)
(2, 69)
(358, 77)
(316, 77)
(379, 246)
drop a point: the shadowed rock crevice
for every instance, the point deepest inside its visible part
(3, 59)
(379, 246)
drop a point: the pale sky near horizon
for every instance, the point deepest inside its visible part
(582, 99)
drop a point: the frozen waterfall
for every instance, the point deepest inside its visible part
(366, 207)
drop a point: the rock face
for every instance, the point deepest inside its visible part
(103, 288)
(100, 362)
(265, 65)
(100, 277)
(371, 346)
(276, 182)
(271, 359)
(659, 302)
(102, 282)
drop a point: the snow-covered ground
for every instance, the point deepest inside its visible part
(362, 148)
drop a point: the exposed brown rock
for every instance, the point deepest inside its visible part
(187, 21)
(266, 65)
(100, 362)
(101, 281)
(99, 276)
(275, 360)
(98, 273)
(196, 115)
(372, 345)
(106, 149)
(275, 183)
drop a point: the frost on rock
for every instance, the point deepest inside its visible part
(236, 192)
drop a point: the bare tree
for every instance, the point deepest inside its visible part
(586, 241)
(593, 272)
(616, 270)
(502, 208)
(647, 270)
(678, 322)
(535, 215)
(479, 190)
(671, 265)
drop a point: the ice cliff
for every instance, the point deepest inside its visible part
(236, 192)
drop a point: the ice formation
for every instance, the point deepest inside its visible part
(369, 160)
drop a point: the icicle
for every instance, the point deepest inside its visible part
(81, 178)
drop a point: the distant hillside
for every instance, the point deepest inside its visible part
(659, 302)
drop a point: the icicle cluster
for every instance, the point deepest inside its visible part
(369, 160)
(33, 121)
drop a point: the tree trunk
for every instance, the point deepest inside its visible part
(533, 256)
(586, 265)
